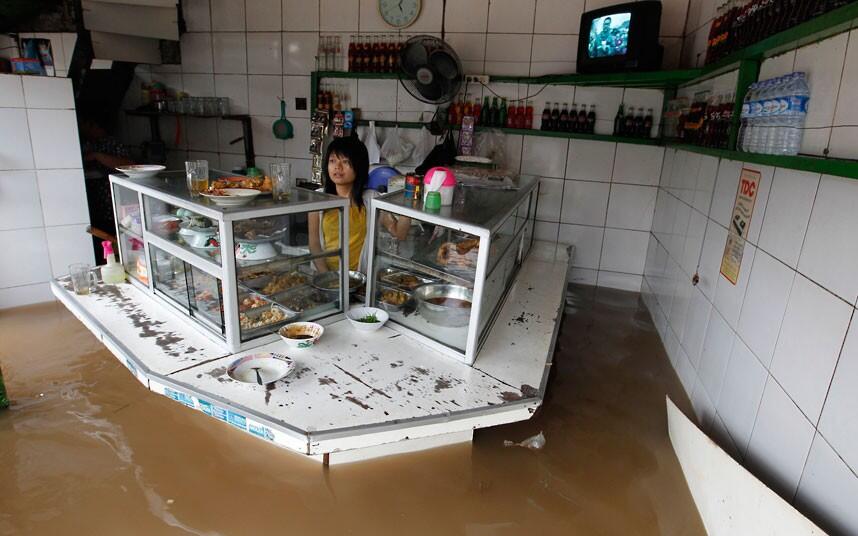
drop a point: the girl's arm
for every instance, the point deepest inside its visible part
(313, 223)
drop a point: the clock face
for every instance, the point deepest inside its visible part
(399, 13)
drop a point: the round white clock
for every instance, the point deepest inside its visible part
(399, 13)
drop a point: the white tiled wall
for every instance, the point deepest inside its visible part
(255, 51)
(43, 209)
(770, 363)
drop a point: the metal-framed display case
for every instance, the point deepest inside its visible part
(172, 245)
(446, 281)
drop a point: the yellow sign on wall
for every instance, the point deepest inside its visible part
(740, 223)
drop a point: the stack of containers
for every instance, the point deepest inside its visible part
(773, 115)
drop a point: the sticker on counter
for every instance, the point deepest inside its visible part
(260, 431)
(213, 410)
(239, 421)
(740, 223)
(131, 366)
(180, 397)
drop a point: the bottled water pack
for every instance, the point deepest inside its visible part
(773, 115)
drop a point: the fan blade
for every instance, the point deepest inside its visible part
(413, 57)
(444, 64)
(432, 91)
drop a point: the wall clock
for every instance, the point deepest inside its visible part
(399, 13)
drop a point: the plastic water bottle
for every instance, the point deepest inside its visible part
(757, 117)
(799, 97)
(745, 118)
(769, 123)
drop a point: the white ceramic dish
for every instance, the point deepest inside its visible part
(360, 312)
(142, 171)
(255, 252)
(233, 197)
(301, 334)
(271, 367)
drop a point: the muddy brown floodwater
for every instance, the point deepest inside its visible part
(85, 449)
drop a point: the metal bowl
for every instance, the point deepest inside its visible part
(443, 315)
(389, 307)
(327, 282)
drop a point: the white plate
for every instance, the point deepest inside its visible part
(234, 197)
(143, 171)
(272, 367)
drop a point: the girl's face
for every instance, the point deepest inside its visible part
(340, 170)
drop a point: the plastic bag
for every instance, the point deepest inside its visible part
(424, 146)
(396, 149)
(492, 144)
(371, 142)
(443, 154)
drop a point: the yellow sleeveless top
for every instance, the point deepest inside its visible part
(357, 235)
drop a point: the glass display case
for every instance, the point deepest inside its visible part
(238, 273)
(446, 278)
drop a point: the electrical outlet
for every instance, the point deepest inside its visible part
(477, 78)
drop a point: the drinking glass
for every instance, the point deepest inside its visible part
(82, 277)
(197, 172)
(281, 180)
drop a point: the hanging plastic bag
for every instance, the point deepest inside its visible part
(396, 149)
(492, 144)
(423, 147)
(371, 142)
(443, 154)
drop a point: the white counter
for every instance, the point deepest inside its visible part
(353, 394)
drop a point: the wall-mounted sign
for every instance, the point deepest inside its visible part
(740, 223)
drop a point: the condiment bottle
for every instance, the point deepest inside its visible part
(112, 272)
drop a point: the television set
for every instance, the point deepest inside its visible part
(620, 38)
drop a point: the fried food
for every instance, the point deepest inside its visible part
(252, 302)
(394, 297)
(284, 282)
(263, 184)
(462, 254)
(403, 280)
(272, 316)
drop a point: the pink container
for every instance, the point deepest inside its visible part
(440, 179)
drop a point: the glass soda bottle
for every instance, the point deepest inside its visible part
(546, 117)
(563, 121)
(573, 116)
(528, 115)
(619, 122)
(555, 116)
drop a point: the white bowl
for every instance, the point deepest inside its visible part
(271, 367)
(255, 251)
(290, 333)
(359, 312)
(142, 171)
(233, 197)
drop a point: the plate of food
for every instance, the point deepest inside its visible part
(391, 299)
(140, 171)
(230, 197)
(263, 184)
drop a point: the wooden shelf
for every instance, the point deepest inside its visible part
(828, 166)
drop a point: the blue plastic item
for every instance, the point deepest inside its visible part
(380, 177)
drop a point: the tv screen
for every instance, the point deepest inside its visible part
(609, 35)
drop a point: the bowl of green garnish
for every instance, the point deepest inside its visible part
(367, 318)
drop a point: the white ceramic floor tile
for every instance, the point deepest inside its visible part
(15, 149)
(777, 65)
(725, 191)
(846, 112)
(710, 260)
(264, 92)
(264, 142)
(299, 52)
(263, 16)
(823, 63)
(587, 242)
(376, 95)
(631, 206)
(550, 199)
(300, 15)
(48, 92)
(68, 244)
(234, 87)
(638, 164)
(828, 489)
(467, 16)
(583, 202)
(63, 195)
(55, 138)
(199, 85)
(705, 185)
(787, 214)
(511, 16)
(30, 264)
(844, 142)
(548, 232)
(197, 15)
(809, 343)
(11, 91)
(693, 242)
(624, 251)
(780, 441)
(227, 15)
(264, 51)
(741, 394)
(583, 276)
(19, 201)
(764, 305)
(230, 52)
(544, 157)
(508, 47)
(830, 253)
(201, 134)
(717, 346)
(839, 422)
(590, 160)
(197, 53)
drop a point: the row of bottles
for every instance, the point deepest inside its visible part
(773, 115)
(707, 121)
(332, 97)
(565, 120)
(633, 125)
(330, 53)
(375, 53)
(740, 23)
(497, 113)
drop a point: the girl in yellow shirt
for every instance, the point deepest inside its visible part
(346, 176)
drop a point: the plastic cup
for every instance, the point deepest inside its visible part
(433, 201)
(281, 180)
(197, 173)
(82, 277)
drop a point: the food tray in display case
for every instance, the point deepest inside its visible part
(454, 266)
(232, 272)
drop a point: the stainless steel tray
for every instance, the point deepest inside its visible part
(387, 276)
(254, 314)
(389, 307)
(315, 301)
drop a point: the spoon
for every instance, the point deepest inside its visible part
(258, 377)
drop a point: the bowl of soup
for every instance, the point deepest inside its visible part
(444, 304)
(301, 334)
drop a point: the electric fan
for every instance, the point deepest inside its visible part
(429, 69)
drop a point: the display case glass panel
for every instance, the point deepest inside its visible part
(285, 274)
(188, 229)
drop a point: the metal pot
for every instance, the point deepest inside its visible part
(443, 315)
(328, 283)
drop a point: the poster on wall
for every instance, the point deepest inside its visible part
(740, 223)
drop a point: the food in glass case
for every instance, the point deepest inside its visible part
(263, 184)
(402, 278)
(444, 305)
(252, 301)
(284, 282)
(391, 299)
(258, 229)
(462, 254)
(266, 318)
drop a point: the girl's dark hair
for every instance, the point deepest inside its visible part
(352, 148)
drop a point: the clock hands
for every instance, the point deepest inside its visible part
(400, 6)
